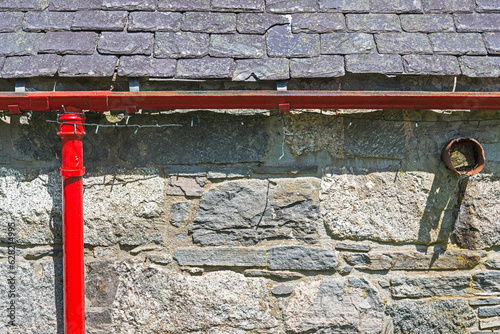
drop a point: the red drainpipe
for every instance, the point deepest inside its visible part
(72, 133)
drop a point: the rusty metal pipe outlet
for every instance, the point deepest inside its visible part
(464, 156)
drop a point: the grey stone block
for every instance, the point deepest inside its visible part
(487, 6)
(427, 22)
(181, 212)
(492, 323)
(487, 282)
(403, 43)
(186, 186)
(157, 21)
(286, 275)
(80, 43)
(282, 43)
(221, 257)
(373, 22)
(10, 22)
(184, 5)
(88, 66)
(237, 46)
(123, 43)
(301, 258)
(238, 5)
(215, 23)
(73, 5)
(31, 66)
(347, 6)
(457, 43)
(373, 63)
(477, 67)
(291, 6)
(318, 22)
(4, 158)
(347, 43)
(352, 247)
(477, 22)
(396, 6)
(429, 286)
(181, 45)
(448, 6)
(205, 68)
(23, 5)
(431, 65)
(483, 302)
(261, 69)
(253, 23)
(48, 21)
(99, 20)
(488, 311)
(282, 290)
(319, 67)
(19, 44)
(141, 66)
(492, 41)
(129, 4)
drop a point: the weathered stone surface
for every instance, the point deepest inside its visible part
(249, 211)
(320, 67)
(345, 5)
(238, 5)
(317, 22)
(184, 5)
(181, 45)
(221, 257)
(347, 43)
(99, 20)
(487, 282)
(429, 286)
(31, 66)
(141, 66)
(73, 5)
(487, 6)
(237, 46)
(397, 6)
(488, 311)
(122, 43)
(334, 305)
(181, 213)
(48, 21)
(23, 5)
(373, 22)
(352, 247)
(432, 316)
(492, 41)
(79, 43)
(291, 6)
(273, 274)
(10, 22)
(215, 23)
(457, 44)
(374, 63)
(282, 290)
(427, 22)
(183, 186)
(281, 42)
(88, 66)
(482, 302)
(205, 68)
(431, 65)
(19, 44)
(448, 6)
(261, 69)
(489, 323)
(129, 4)
(492, 263)
(403, 43)
(477, 22)
(252, 23)
(480, 66)
(157, 21)
(301, 258)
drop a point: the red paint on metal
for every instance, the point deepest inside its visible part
(14, 109)
(284, 108)
(71, 131)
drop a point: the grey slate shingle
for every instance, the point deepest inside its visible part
(122, 43)
(476, 67)
(488, 6)
(431, 65)
(181, 45)
(396, 6)
(19, 44)
(31, 66)
(373, 22)
(183, 5)
(205, 68)
(142, 66)
(477, 22)
(48, 21)
(69, 5)
(403, 43)
(209, 22)
(448, 6)
(427, 22)
(253, 23)
(318, 22)
(492, 41)
(238, 5)
(99, 20)
(262, 69)
(237, 46)
(19, 5)
(78, 43)
(374, 63)
(11, 21)
(281, 42)
(154, 21)
(88, 66)
(346, 6)
(347, 43)
(129, 4)
(291, 6)
(319, 67)
(457, 44)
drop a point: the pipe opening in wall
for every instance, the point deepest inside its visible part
(464, 156)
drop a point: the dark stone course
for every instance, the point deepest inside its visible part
(141, 66)
(347, 43)
(237, 46)
(488, 311)
(72, 5)
(477, 22)
(99, 20)
(301, 258)
(261, 69)
(352, 247)
(281, 42)
(487, 282)
(181, 45)
(457, 43)
(374, 63)
(396, 6)
(80, 43)
(488, 6)
(317, 22)
(31, 66)
(429, 286)
(184, 5)
(483, 302)
(19, 44)
(129, 4)
(291, 6)
(221, 257)
(88, 66)
(215, 23)
(205, 68)
(23, 5)
(431, 65)
(492, 41)
(448, 6)
(122, 43)
(253, 23)
(347, 6)
(11, 22)
(319, 67)
(238, 5)
(48, 21)
(157, 21)
(403, 43)
(480, 66)
(373, 22)
(427, 22)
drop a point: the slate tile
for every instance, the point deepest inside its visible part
(48, 21)
(129, 4)
(431, 65)
(215, 23)
(262, 69)
(488, 6)
(10, 21)
(31, 66)
(374, 63)
(319, 67)
(141, 66)
(457, 43)
(427, 22)
(373, 22)
(19, 44)
(317, 22)
(238, 5)
(73, 5)
(479, 67)
(477, 22)
(282, 43)
(23, 5)
(237, 46)
(184, 5)
(448, 6)
(396, 6)
(347, 43)
(492, 41)
(253, 23)
(123, 43)
(88, 66)
(205, 68)
(291, 6)
(157, 21)
(79, 43)
(346, 6)
(181, 45)
(99, 20)
(403, 43)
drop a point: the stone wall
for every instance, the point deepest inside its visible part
(328, 222)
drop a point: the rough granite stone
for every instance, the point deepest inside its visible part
(10, 22)
(261, 69)
(480, 66)
(291, 6)
(215, 23)
(317, 22)
(320, 67)
(19, 44)
(237, 46)
(487, 282)
(79, 43)
(281, 42)
(88, 66)
(157, 21)
(23, 5)
(492, 323)
(492, 41)
(477, 22)
(238, 5)
(427, 22)
(99, 20)
(487, 6)
(429, 286)
(432, 316)
(348, 6)
(347, 43)
(253, 23)
(181, 213)
(122, 43)
(129, 4)
(373, 63)
(448, 6)
(221, 257)
(205, 68)
(301, 258)
(184, 5)
(403, 43)
(185, 186)
(141, 66)
(181, 45)
(488, 311)
(44, 65)
(73, 5)
(373, 22)
(396, 6)
(48, 21)
(334, 305)
(431, 65)
(457, 44)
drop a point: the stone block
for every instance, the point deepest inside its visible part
(73, 5)
(448, 6)
(475, 67)
(457, 44)
(427, 22)
(347, 6)
(10, 22)
(214, 23)
(184, 186)
(374, 63)
(431, 65)
(429, 286)
(282, 290)
(261, 69)
(487, 6)
(488, 311)
(181, 45)
(373, 22)
(397, 6)
(477, 22)
(129, 5)
(122, 43)
(88, 66)
(483, 302)
(352, 247)
(487, 282)
(285, 275)
(79, 43)
(183, 5)
(281, 42)
(492, 41)
(48, 21)
(157, 21)
(301, 258)
(100, 20)
(141, 66)
(237, 46)
(19, 44)
(253, 23)
(347, 43)
(403, 43)
(181, 213)
(317, 22)
(23, 5)
(319, 67)
(44, 65)
(238, 5)
(205, 68)
(221, 257)
(489, 323)
(291, 6)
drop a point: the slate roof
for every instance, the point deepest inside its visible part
(248, 39)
